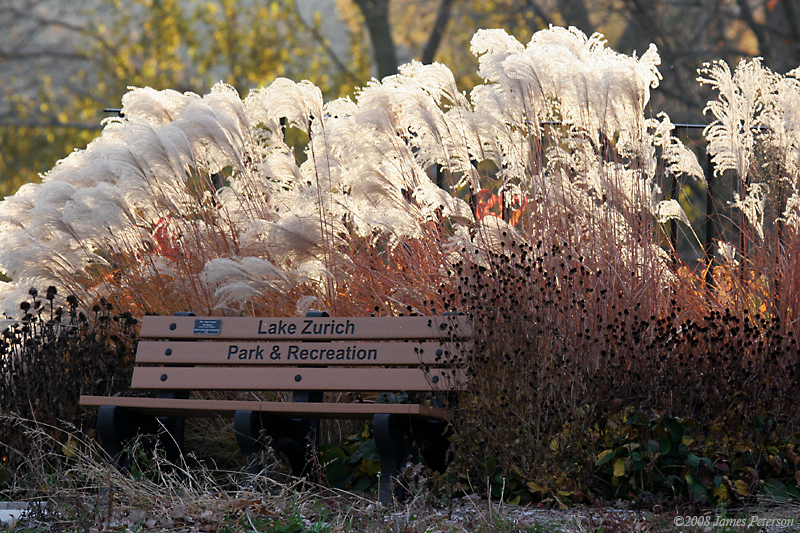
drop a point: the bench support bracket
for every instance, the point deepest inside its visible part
(398, 438)
(118, 426)
(288, 436)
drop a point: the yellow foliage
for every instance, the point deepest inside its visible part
(184, 45)
(619, 468)
(741, 487)
(604, 454)
(534, 488)
(721, 494)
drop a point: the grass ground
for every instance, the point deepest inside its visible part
(294, 511)
(84, 493)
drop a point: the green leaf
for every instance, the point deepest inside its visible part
(653, 447)
(781, 492)
(675, 429)
(696, 489)
(534, 487)
(665, 444)
(721, 494)
(741, 487)
(604, 457)
(333, 458)
(367, 450)
(363, 484)
(371, 468)
(694, 461)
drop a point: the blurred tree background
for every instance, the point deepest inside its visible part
(62, 63)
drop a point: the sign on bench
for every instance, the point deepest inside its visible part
(305, 356)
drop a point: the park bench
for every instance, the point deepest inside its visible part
(305, 356)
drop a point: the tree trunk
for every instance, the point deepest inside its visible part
(376, 16)
(783, 51)
(442, 18)
(574, 13)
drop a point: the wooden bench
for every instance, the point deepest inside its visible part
(304, 356)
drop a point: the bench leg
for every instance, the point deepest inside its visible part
(117, 426)
(391, 438)
(397, 438)
(431, 442)
(173, 439)
(289, 436)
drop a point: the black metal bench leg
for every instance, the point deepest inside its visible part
(173, 439)
(247, 426)
(431, 442)
(391, 438)
(397, 438)
(116, 425)
(290, 437)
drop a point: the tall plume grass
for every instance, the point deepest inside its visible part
(140, 207)
(548, 226)
(755, 137)
(205, 197)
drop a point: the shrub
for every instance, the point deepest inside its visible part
(573, 398)
(51, 356)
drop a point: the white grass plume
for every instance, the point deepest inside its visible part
(141, 197)
(154, 107)
(737, 112)
(752, 205)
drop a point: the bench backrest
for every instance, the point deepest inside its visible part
(417, 353)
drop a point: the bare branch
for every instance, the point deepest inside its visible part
(32, 15)
(435, 39)
(52, 123)
(17, 55)
(326, 45)
(538, 12)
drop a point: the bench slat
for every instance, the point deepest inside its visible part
(227, 408)
(288, 353)
(286, 379)
(307, 329)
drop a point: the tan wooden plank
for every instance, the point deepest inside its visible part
(297, 353)
(227, 408)
(286, 379)
(311, 329)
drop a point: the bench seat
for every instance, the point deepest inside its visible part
(169, 407)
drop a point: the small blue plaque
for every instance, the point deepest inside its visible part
(207, 327)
